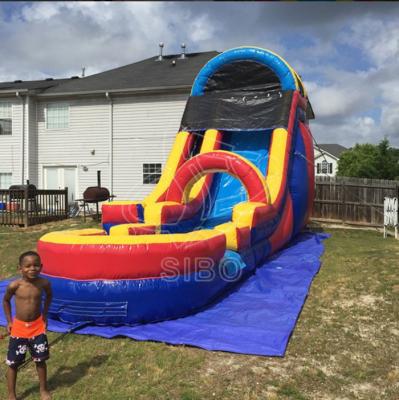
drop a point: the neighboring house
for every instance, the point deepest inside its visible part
(122, 122)
(326, 158)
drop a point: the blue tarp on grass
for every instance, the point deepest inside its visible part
(257, 318)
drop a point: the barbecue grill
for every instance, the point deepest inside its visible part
(95, 195)
(18, 191)
(17, 197)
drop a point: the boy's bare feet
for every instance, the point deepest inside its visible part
(11, 397)
(45, 395)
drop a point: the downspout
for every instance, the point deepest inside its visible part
(22, 138)
(111, 142)
(28, 138)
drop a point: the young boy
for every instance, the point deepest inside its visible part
(28, 329)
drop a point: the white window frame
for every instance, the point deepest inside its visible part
(59, 104)
(8, 103)
(324, 167)
(8, 174)
(151, 173)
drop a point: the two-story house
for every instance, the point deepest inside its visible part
(122, 122)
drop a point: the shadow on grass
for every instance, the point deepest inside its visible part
(67, 375)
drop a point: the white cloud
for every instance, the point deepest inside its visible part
(334, 101)
(57, 39)
(378, 38)
(390, 122)
(44, 39)
(201, 30)
(347, 133)
(40, 11)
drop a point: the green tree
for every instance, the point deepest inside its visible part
(370, 161)
(388, 160)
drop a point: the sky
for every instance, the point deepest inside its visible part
(347, 53)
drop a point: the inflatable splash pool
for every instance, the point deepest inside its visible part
(237, 186)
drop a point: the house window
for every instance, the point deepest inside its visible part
(5, 180)
(5, 119)
(57, 116)
(151, 173)
(318, 165)
(326, 167)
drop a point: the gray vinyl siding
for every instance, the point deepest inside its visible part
(10, 145)
(144, 131)
(88, 130)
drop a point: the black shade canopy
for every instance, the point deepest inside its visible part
(243, 75)
(237, 110)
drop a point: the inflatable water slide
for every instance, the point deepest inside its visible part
(237, 187)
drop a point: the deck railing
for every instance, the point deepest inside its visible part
(26, 207)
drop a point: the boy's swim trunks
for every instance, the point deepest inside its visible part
(27, 330)
(24, 336)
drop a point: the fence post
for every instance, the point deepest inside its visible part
(26, 206)
(66, 203)
(343, 188)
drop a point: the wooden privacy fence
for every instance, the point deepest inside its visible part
(25, 207)
(352, 200)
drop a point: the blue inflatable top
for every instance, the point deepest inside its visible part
(287, 76)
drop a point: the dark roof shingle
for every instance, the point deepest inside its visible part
(146, 74)
(171, 72)
(31, 85)
(333, 148)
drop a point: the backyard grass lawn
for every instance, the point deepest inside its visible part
(345, 345)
